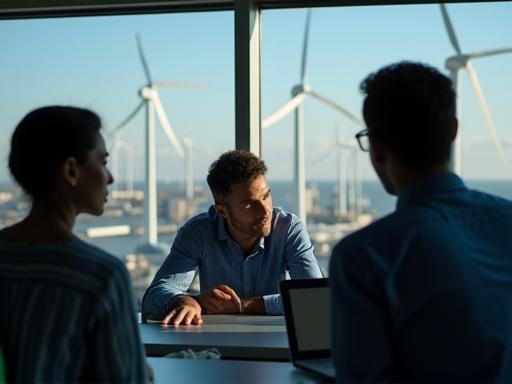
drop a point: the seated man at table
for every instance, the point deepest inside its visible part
(425, 293)
(242, 247)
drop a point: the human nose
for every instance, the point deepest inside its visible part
(110, 177)
(262, 208)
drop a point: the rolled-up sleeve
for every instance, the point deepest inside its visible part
(175, 275)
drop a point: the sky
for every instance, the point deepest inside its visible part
(93, 62)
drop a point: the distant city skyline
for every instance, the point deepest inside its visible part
(93, 62)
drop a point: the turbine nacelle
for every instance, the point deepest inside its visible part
(300, 88)
(456, 62)
(147, 93)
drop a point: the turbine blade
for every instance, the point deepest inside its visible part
(476, 55)
(143, 58)
(166, 125)
(172, 84)
(487, 114)
(336, 106)
(129, 118)
(450, 30)
(305, 47)
(283, 111)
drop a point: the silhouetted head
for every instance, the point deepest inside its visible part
(57, 141)
(233, 167)
(410, 109)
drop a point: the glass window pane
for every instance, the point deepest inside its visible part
(346, 44)
(94, 62)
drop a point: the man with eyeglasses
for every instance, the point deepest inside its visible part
(425, 293)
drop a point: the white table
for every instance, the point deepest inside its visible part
(227, 371)
(235, 336)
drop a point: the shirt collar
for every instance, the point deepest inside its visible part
(431, 185)
(261, 242)
(220, 231)
(217, 220)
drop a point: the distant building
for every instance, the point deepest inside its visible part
(180, 210)
(312, 199)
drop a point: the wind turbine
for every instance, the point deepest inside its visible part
(462, 61)
(299, 93)
(189, 171)
(346, 154)
(151, 100)
(341, 163)
(118, 144)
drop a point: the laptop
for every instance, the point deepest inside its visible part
(307, 311)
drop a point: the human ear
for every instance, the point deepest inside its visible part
(221, 209)
(377, 151)
(455, 130)
(70, 171)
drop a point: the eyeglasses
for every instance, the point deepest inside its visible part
(363, 141)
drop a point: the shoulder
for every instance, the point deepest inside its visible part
(99, 263)
(80, 267)
(202, 218)
(487, 200)
(374, 240)
(459, 208)
(113, 283)
(92, 254)
(199, 223)
(286, 219)
(200, 229)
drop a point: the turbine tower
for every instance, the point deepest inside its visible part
(118, 144)
(151, 100)
(462, 61)
(299, 93)
(189, 171)
(346, 154)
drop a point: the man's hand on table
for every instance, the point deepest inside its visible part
(187, 310)
(220, 299)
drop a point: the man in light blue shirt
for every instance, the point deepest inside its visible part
(242, 248)
(425, 293)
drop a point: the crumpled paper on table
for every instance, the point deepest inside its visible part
(209, 353)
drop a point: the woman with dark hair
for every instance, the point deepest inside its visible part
(68, 312)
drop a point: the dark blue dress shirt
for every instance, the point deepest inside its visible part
(425, 294)
(203, 244)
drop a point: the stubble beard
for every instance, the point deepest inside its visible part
(253, 231)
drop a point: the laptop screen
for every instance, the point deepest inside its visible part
(312, 318)
(308, 316)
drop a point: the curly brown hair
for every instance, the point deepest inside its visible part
(238, 166)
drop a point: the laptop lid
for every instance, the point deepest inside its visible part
(307, 312)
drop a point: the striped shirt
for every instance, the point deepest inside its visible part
(203, 243)
(68, 315)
